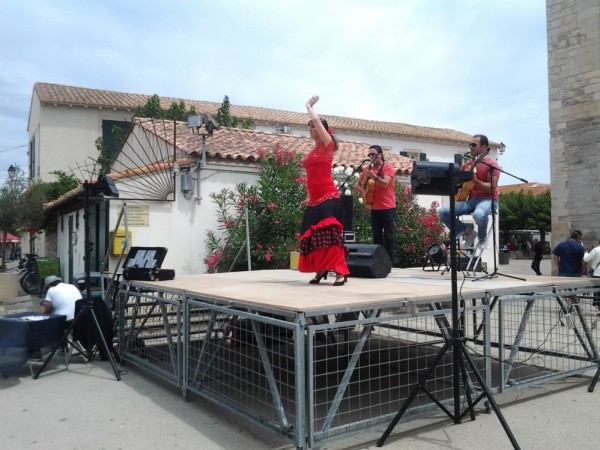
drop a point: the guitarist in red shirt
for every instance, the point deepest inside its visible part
(478, 196)
(376, 187)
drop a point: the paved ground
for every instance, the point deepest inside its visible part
(86, 407)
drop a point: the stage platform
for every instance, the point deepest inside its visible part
(289, 290)
(316, 362)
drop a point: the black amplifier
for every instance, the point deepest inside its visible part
(135, 273)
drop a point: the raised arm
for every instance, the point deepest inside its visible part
(316, 120)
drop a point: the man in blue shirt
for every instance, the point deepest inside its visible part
(568, 256)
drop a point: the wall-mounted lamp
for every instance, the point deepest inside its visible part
(501, 148)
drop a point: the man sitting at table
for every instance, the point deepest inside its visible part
(60, 297)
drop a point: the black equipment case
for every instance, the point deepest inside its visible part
(143, 263)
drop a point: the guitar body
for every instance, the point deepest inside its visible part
(369, 192)
(465, 191)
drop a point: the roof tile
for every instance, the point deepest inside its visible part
(239, 144)
(56, 94)
(534, 188)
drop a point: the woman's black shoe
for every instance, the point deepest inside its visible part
(340, 280)
(318, 277)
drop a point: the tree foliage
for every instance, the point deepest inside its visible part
(21, 206)
(153, 110)
(63, 184)
(225, 118)
(525, 211)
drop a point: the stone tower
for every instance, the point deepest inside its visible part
(574, 96)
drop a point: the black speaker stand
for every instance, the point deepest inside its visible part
(460, 354)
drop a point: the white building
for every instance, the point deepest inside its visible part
(65, 122)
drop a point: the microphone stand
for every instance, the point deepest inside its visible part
(343, 185)
(341, 189)
(496, 271)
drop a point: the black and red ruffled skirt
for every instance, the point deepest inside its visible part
(322, 248)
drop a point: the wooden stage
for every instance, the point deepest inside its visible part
(289, 290)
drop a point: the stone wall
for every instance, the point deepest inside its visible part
(574, 97)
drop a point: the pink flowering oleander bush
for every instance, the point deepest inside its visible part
(416, 228)
(275, 217)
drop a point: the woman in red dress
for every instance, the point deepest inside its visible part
(321, 246)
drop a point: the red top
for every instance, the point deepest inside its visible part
(482, 174)
(319, 182)
(383, 197)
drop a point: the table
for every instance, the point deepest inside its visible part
(21, 335)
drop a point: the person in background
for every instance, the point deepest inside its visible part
(593, 263)
(383, 205)
(538, 254)
(321, 246)
(568, 256)
(60, 298)
(592, 259)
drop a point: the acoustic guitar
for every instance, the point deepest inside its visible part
(464, 191)
(368, 192)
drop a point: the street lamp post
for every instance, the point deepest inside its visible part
(12, 172)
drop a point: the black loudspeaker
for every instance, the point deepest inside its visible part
(463, 262)
(436, 256)
(368, 261)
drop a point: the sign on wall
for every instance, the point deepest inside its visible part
(138, 216)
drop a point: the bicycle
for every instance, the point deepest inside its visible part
(29, 278)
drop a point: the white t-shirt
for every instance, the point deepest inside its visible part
(63, 297)
(593, 258)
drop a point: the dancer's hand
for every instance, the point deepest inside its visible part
(311, 101)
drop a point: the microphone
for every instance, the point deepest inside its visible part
(365, 160)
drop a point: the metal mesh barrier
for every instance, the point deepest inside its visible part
(362, 371)
(246, 361)
(543, 336)
(150, 327)
(315, 377)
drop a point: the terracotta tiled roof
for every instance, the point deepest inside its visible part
(55, 94)
(533, 188)
(238, 144)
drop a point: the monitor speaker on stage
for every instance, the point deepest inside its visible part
(368, 261)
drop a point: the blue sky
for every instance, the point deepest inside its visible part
(476, 66)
